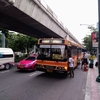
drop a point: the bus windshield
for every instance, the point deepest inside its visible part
(52, 52)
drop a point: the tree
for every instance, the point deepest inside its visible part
(20, 42)
(87, 39)
(5, 31)
(4, 34)
(87, 42)
(92, 29)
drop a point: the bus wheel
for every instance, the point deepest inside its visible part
(65, 74)
(7, 66)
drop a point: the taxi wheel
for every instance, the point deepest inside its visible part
(35, 68)
(7, 66)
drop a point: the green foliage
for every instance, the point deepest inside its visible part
(17, 58)
(87, 42)
(87, 39)
(92, 28)
(5, 31)
(20, 42)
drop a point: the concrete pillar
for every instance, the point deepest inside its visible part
(3, 40)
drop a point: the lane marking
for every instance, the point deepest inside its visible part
(5, 71)
(32, 74)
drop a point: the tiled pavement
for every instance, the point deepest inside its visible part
(92, 91)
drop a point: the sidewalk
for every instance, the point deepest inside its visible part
(92, 91)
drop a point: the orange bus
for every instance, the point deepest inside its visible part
(53, 54)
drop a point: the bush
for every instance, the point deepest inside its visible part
(17, 58)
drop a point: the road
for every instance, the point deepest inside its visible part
(26, 85)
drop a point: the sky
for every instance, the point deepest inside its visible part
(75, 12)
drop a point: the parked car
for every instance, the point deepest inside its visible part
(28, 63)
(6, 58)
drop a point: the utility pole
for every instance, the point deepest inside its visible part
(98, 78)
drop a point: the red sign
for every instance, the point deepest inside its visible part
(93, 38)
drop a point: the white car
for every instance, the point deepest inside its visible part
(6, 58)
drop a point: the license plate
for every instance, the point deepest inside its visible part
(21, 66)
(49, 70)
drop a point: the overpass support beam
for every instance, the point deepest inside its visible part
(3, 40)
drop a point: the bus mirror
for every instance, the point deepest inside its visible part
(37, 45)
(66, 47)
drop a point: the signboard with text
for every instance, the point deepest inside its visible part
(94, 39)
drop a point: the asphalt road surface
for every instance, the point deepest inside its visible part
(36, 85)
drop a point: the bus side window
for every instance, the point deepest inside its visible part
(69, 51)
(65, 54)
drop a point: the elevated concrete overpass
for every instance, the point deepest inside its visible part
(32, 17)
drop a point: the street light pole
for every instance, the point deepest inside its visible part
(98, 78)
(89, 27)
(87, 24)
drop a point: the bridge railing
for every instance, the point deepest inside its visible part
(43, 3)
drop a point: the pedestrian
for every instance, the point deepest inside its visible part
(88, 56)
(92, 57)
(78, 61)
(84, 60)
(71, 66)
(96, 64)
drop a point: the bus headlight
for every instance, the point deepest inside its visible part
(62, 68)
(66, 68)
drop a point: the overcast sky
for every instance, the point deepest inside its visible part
(75, 12)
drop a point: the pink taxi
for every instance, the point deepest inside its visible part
(28, 63)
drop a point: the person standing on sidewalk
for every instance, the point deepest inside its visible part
(92, 57)
(71, 66)
(84, 59)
